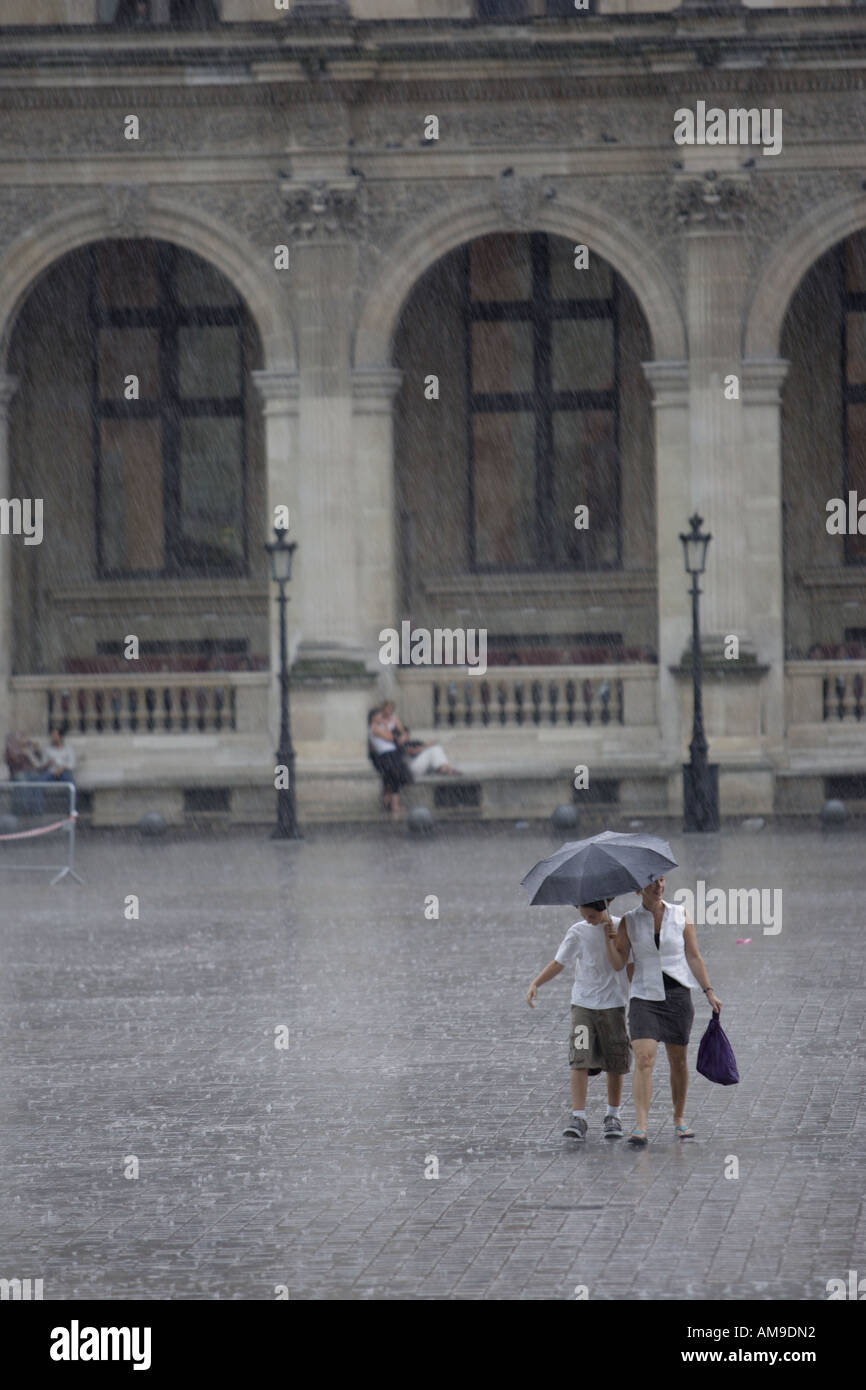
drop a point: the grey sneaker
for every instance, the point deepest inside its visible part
(576, 1128)
(611, 1128)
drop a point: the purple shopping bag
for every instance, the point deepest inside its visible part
(716, 1059)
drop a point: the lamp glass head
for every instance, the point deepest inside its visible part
(695, 546)
(280, 553)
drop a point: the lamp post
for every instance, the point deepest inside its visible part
(700, 779)
(280, 554)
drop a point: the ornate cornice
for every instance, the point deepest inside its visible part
(555, 584)
(366, 71)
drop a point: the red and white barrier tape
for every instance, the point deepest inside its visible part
(41, 829)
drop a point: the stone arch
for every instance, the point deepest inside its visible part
(429, 240)
(33, 253)
(788, 262)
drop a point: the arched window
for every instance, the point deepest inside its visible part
(169, 429)
(129, 13)
(542, 359)
(852, 275)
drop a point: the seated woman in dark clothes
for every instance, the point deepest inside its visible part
(387, 757)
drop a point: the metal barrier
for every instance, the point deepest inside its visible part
(19, 800)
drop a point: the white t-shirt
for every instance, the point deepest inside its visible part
(63, 757)
(596, 984)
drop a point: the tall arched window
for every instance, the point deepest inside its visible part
(542, 360)
(169, 430)
(195, 13)
(852, 270)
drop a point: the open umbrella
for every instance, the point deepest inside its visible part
(583, 871)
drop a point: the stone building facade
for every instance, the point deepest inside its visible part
(339, 250)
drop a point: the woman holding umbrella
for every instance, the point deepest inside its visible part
(667, 965)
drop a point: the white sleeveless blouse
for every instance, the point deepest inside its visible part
(651, 962)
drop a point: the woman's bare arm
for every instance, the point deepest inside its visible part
(697, 966)
(618, 946)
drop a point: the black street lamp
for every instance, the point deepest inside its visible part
(280, 555)
(700, 779)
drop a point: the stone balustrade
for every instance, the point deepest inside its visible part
(182, 702)
(530, 697)
(826, 692)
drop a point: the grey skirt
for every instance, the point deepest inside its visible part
(667, 1021)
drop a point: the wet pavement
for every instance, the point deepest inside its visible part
(300, 1169)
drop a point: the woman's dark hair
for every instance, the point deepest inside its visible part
(598, 906)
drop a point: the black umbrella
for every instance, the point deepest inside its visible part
(603, 866)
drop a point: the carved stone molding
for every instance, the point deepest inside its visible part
(710, 200)
(669, 382)
(126, 208)
(374, 389)
(762, 379)
(324, 210)
(278, 389)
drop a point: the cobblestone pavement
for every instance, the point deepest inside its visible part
(408, 1040)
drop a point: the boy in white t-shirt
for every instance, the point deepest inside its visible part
(598, 1040)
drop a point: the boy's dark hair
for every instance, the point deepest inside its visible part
(599, 905)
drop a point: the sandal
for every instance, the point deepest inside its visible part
(638, 1137)
(683, 1132)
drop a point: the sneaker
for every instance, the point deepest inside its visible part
(576, 1128)
(611, 1128)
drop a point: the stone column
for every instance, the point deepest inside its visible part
(761, 385)
(373, 392)
(8, 387)
(324, 216)
(670, 386)
(279, 392)
(716, 271)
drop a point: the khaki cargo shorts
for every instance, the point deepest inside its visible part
(603, 1032)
